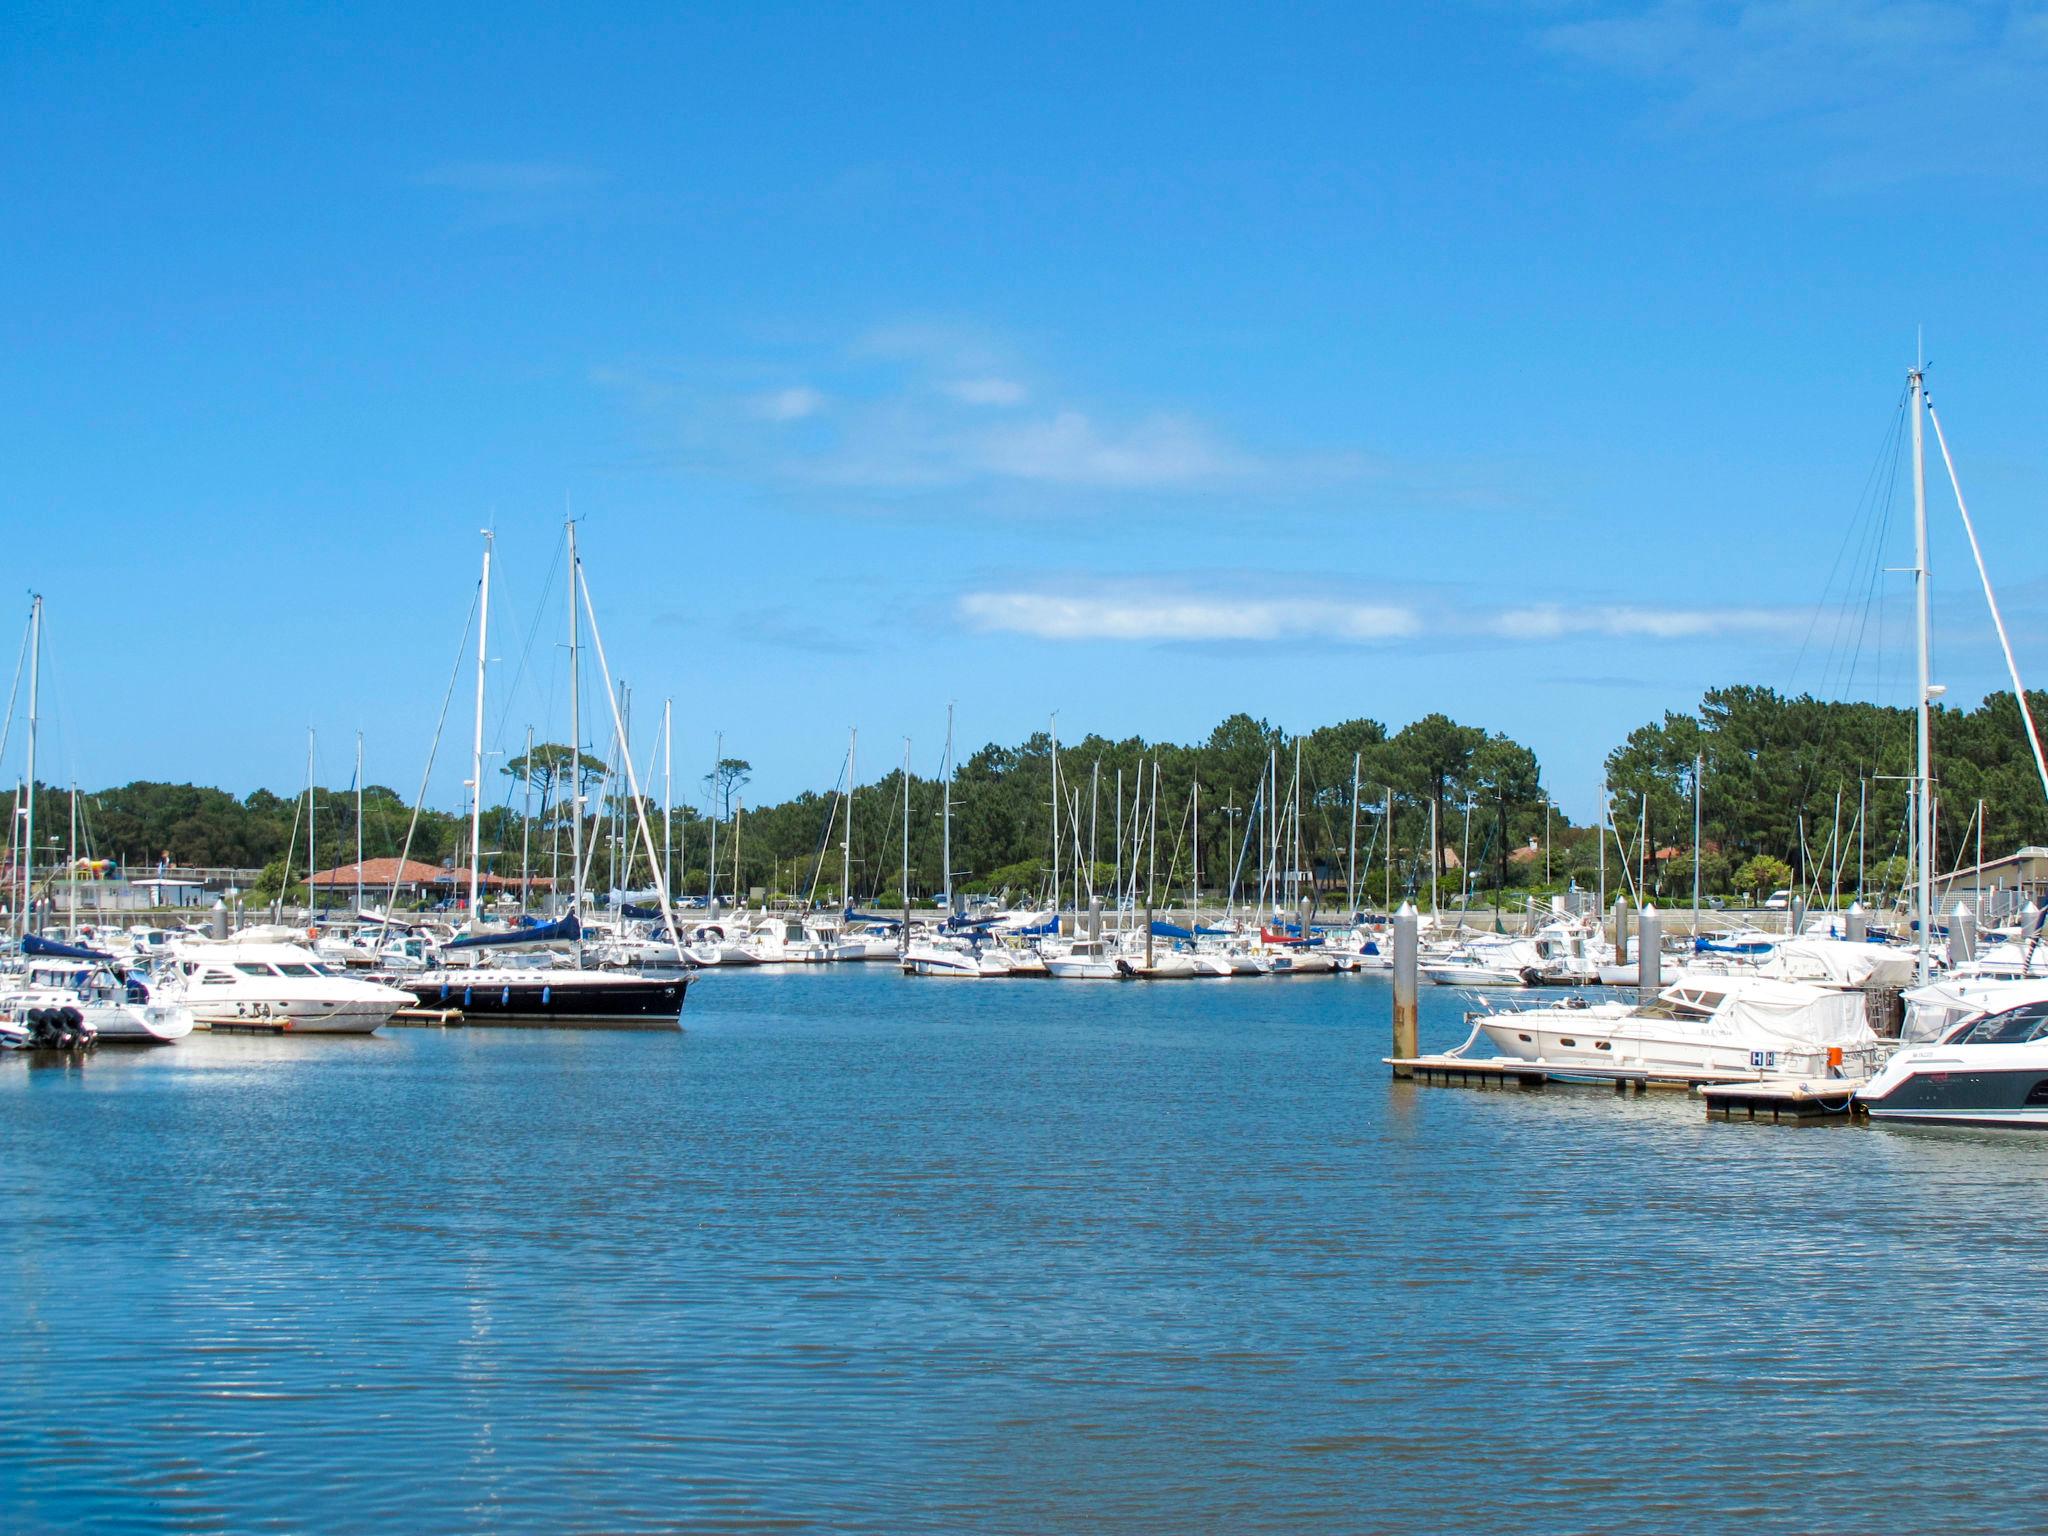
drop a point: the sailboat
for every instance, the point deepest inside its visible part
(539, 989)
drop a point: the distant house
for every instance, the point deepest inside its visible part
(411, 878)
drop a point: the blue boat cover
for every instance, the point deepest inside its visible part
(540, 933)
(36, 944)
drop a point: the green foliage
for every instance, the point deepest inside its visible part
(1763, 874)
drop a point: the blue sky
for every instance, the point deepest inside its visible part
(1138, 363)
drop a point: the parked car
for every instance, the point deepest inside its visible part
(1778, 901)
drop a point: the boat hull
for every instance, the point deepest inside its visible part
(539, 999)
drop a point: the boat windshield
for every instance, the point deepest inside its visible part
(294, 968)
(253, 968)
(2014, 1027)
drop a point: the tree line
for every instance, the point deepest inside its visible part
(1812, 787)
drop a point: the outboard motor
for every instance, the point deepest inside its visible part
(58, 1029)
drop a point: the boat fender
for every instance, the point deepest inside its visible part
(444, 991)
(505, 998)
(466, 996)
(546, 995)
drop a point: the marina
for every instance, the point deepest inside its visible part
(1077, 770)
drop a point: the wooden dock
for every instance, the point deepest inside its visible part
(1804, 1098)
(1507, 1071)
(441, 1018)
(1727, 1098)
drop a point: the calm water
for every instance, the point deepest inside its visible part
(864, 1253)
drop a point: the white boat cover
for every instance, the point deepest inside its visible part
(1838, 963)
(1784, 1010)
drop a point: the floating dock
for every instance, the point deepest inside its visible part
(1803, 1098)
(1508, 1071)
(1727, 1098)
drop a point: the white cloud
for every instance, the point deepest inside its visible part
(1172, 617)
(986, 391)
(792, 404)
(1070, 449)
(1972, 71)
(1553, 622)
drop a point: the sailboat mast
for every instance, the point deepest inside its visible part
(1923, 803)
(1151, 861)
(1195, 870)
(946, 824)
(476, 751)
(668, 766)
(526, 828)
(312, 841)
(1390, 850)
(1055, 821)
(906, 842)
(359, 822)
(711, 864)
(72, 872)
(28, 830)
(1351, 863)
(575, 751)
(846, 848)
(1699, 766)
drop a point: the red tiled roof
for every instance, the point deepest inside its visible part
(385, 872)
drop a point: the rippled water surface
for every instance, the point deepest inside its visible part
(858, 1252)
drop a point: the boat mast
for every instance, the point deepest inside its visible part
(668, 765)
(476, 750)
(846, 847)
(1923, 800)
(1699, 765)
(312, 842)
(575, 750)
(72, 921)
(526, 828)
(1055, 822)
(1094, 820)
(946, 822)
(906, 844)
(1294, 875)
(711, 863)
(1118, 889)
(28, 831)
(359, 823)
(1195, 869)
(1351, 864)
(1151, 860)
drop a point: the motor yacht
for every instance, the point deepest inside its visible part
(1730, 1027)
(1989, 1070)
(228, 983)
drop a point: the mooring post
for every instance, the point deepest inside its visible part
(2030, 923)
(1962, 935)
(1856, 924)
(1094, 917)
(1795, 916)
(1650, 952)
(1620, 931)
(1407, 1015)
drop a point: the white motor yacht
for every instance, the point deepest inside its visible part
(1730, 1027)
(116, 1008)
(227, 983)
(1990, 1070)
